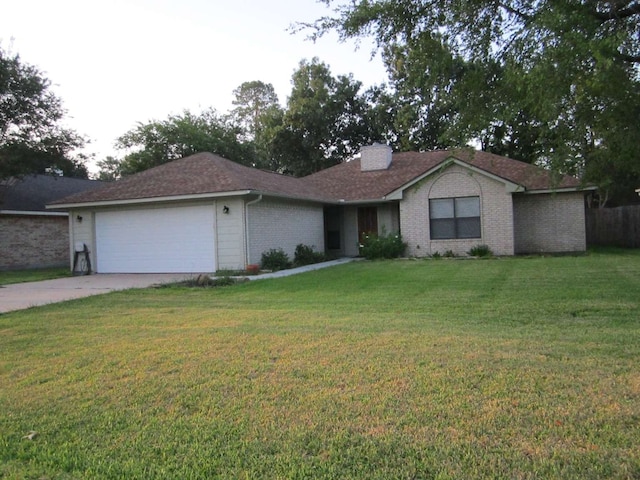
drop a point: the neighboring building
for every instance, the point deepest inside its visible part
(203, 213)
(30, 235)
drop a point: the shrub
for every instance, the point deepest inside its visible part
(275, 259)
(305, 255)
(480, 251)
(382, 246)
(449, 254)
(436, 255)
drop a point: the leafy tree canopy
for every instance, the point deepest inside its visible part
(32, 139)
(547, 81)
(326, 121)
(160, 141)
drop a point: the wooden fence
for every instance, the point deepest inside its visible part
(618, 226)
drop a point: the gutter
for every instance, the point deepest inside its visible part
(34, 213)
(145, 200)
(560, 190)
(182, 198)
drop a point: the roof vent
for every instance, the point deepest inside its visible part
(375, 157)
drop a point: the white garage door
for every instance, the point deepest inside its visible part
(156, 240)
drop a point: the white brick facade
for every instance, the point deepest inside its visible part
(375, 157)
(496, 212)
(552, 222)
(274, 224)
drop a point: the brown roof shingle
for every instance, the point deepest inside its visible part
(201, 173)
(206, 173)
(347, 182)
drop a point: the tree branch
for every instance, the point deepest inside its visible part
(618, 13)
(514, 11)
(628, 58)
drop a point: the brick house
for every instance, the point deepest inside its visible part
(31, 236)
(203, 213)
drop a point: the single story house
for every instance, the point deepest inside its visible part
(30, 235)
(203, 213)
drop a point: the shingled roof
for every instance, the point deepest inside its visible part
(346, 181)
(206, 173)
(199, 174)
(32, 193)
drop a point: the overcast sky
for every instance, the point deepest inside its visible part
(115, 63)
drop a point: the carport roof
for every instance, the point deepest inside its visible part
(197, 176)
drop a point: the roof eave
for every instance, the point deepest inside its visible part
(148, 200)
(560, 190)
(361, 202)
(285, 196)
(34, 213)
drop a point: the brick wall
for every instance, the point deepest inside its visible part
(496, 221)
(553, 222)
(284, 224)
(30, 241)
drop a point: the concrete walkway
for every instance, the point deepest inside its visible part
(18, 296)
(306, 268)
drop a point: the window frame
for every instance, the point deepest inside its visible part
(454, 222)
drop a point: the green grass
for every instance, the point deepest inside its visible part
(33, 275)
(515, 368)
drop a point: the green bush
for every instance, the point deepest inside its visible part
(275, 259)
(382, 246)
(480, 251)
(305, 255)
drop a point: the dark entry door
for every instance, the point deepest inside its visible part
(367, 221)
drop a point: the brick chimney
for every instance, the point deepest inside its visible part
(375, 157)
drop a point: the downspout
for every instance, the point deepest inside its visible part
(246, 226)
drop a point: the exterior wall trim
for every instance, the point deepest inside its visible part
(559, 190)
(148, 200)
(35, 214)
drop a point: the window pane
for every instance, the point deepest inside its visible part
(443, 228)
(469, 227)
(442, 208)
(468, 207)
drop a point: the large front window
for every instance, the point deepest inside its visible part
(454, 218)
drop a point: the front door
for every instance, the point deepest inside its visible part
(367, 222)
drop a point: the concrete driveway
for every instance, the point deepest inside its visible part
(19, 296)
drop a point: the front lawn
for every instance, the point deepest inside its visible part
(32, 275)
(506, 368)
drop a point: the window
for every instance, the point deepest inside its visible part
(454, 218)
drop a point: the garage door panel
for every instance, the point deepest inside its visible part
(172, 240)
